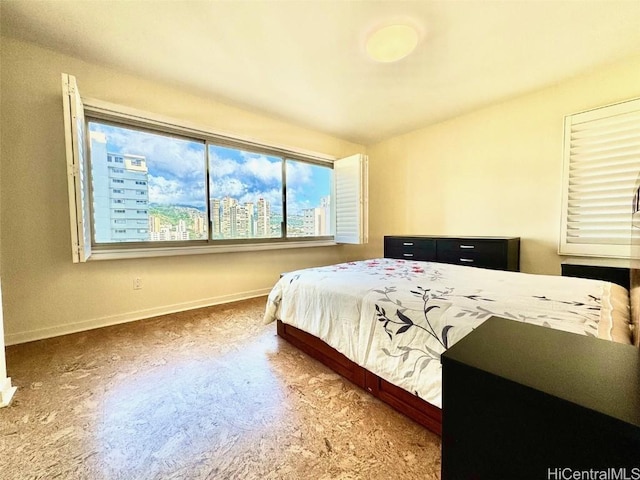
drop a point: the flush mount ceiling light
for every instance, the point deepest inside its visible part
(389, 44)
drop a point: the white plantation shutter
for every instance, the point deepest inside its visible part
(601, 164)
(77, 170)
(351, 194)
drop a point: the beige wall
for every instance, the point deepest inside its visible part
(496, 171)
(44, 293)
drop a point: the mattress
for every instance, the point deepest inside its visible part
(395, 317)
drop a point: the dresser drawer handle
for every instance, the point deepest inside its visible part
(467, 246)
(407, 254)
(466, 260)
(407, 244)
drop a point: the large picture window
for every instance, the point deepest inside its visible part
(144, 186)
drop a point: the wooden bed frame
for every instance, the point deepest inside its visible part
(412, 406)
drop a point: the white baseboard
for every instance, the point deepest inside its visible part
(65, 329)
(6, 392)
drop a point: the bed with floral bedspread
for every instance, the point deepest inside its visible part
(395, 317)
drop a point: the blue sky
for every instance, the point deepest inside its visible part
(176, 171)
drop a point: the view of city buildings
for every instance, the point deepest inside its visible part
(135, 199)
(231, 219)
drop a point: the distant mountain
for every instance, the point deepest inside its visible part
(172, 214)
(177, 205)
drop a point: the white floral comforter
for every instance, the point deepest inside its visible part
(395, 317)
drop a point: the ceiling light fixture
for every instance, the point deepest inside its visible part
(389, 44)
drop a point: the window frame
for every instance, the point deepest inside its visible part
(100, 111)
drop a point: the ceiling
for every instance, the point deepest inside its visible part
(304, 61)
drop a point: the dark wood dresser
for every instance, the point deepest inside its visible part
(498, 253)
(522, 402)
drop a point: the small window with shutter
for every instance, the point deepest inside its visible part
(601, 164)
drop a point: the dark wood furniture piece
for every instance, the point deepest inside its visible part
(414, 407)
(499, 253)
(523, 401)
(618, 275)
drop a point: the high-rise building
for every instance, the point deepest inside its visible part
(263, 218)
(251, 219)
(317, 221)
(215, 218)
(325, 204)
(154, 224)
(120, 194)
(228, 217)
(244, 221)
(308, 221)
(199, 227)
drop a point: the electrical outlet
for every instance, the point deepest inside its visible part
(137, 283)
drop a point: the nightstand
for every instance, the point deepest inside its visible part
(521, 401)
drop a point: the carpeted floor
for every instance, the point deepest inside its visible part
(205, 394)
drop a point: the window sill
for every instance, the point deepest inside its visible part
(119, 254)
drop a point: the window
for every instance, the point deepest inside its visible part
(601, 164)
(200, 190)
(245, 194)
(308, 199)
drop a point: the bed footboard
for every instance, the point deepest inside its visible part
(404, 402)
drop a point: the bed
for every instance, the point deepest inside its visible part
(383, 323)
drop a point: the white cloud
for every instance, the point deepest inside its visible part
(298, 173)
(227, 187)
(222, 167)
(263, 169)
(166, 191)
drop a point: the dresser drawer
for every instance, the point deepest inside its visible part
(484, 253)
(410, 248)
(473, 259)
(463, 246)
